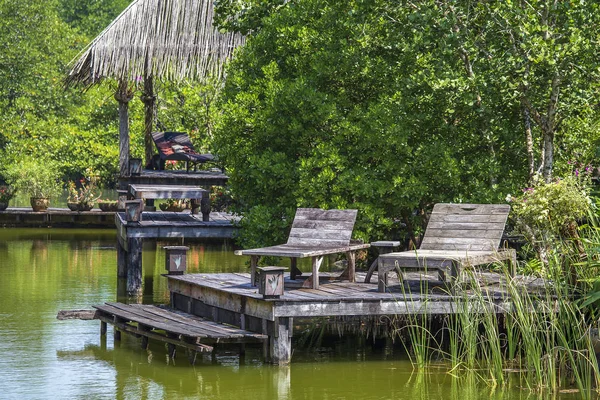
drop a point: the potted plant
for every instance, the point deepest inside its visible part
(37, 178)
(175, 205)
(108, 205)
(84, 197)
(6, 193)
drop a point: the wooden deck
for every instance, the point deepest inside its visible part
(233, 292)
(230, 298)
(25, 217)
(162, 225)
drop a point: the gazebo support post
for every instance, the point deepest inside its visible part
(149, 100)
(123, 96)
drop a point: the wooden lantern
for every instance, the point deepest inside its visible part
(176, 259)
(270, 281)
(133, 210)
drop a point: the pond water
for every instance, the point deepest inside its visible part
(44, 271)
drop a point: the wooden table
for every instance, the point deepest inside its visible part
(199, 198)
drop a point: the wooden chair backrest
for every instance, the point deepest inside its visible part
(322, 228)
(465, 227)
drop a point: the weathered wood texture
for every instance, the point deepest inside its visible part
(194, 193)
(467, 227)
(315, 233)
(190, 329)
(158, 225)
(457, 235)
(56, 217)
(166, 192)
(233, 292)
(205, 179)
(134, 267)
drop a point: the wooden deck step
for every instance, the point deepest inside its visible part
(172, 326)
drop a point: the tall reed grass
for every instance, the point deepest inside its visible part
(543, 336)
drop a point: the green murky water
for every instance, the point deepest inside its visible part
(43, 271)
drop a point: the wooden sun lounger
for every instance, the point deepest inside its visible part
(315, 233)
(177, 146)
(457, 236)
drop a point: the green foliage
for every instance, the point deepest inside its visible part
(390, 108)
(36, 177)
(90, 17)
(344, 105)
(547, 215)
(243, 16)
(547, 208)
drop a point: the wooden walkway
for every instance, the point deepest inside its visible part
(25, 217)
(171, 326)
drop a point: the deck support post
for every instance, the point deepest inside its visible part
(102, 328)
(280, 341)
(134, 267)
(149, 99)
(116, 332)
(123, 96)
(121, 261)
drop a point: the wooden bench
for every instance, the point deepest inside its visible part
(199, 197)
(457, 235)
(315, 233)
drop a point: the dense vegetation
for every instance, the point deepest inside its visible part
(392, 107)
(387, 108)
(72, 128)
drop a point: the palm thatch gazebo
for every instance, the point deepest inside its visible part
(171, 40)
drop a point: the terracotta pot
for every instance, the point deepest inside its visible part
(3, 206)
(39, 204)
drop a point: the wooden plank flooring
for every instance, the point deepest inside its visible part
(156, 320)
(233, 292)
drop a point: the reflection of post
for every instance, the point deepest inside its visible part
(282, 382)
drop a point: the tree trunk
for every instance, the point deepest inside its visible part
(529, 143)
(548, 161)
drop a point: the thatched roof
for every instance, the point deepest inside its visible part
(166, 39)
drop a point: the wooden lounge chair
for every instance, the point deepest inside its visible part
(315, 233)
(457, 235)
(178, 146)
